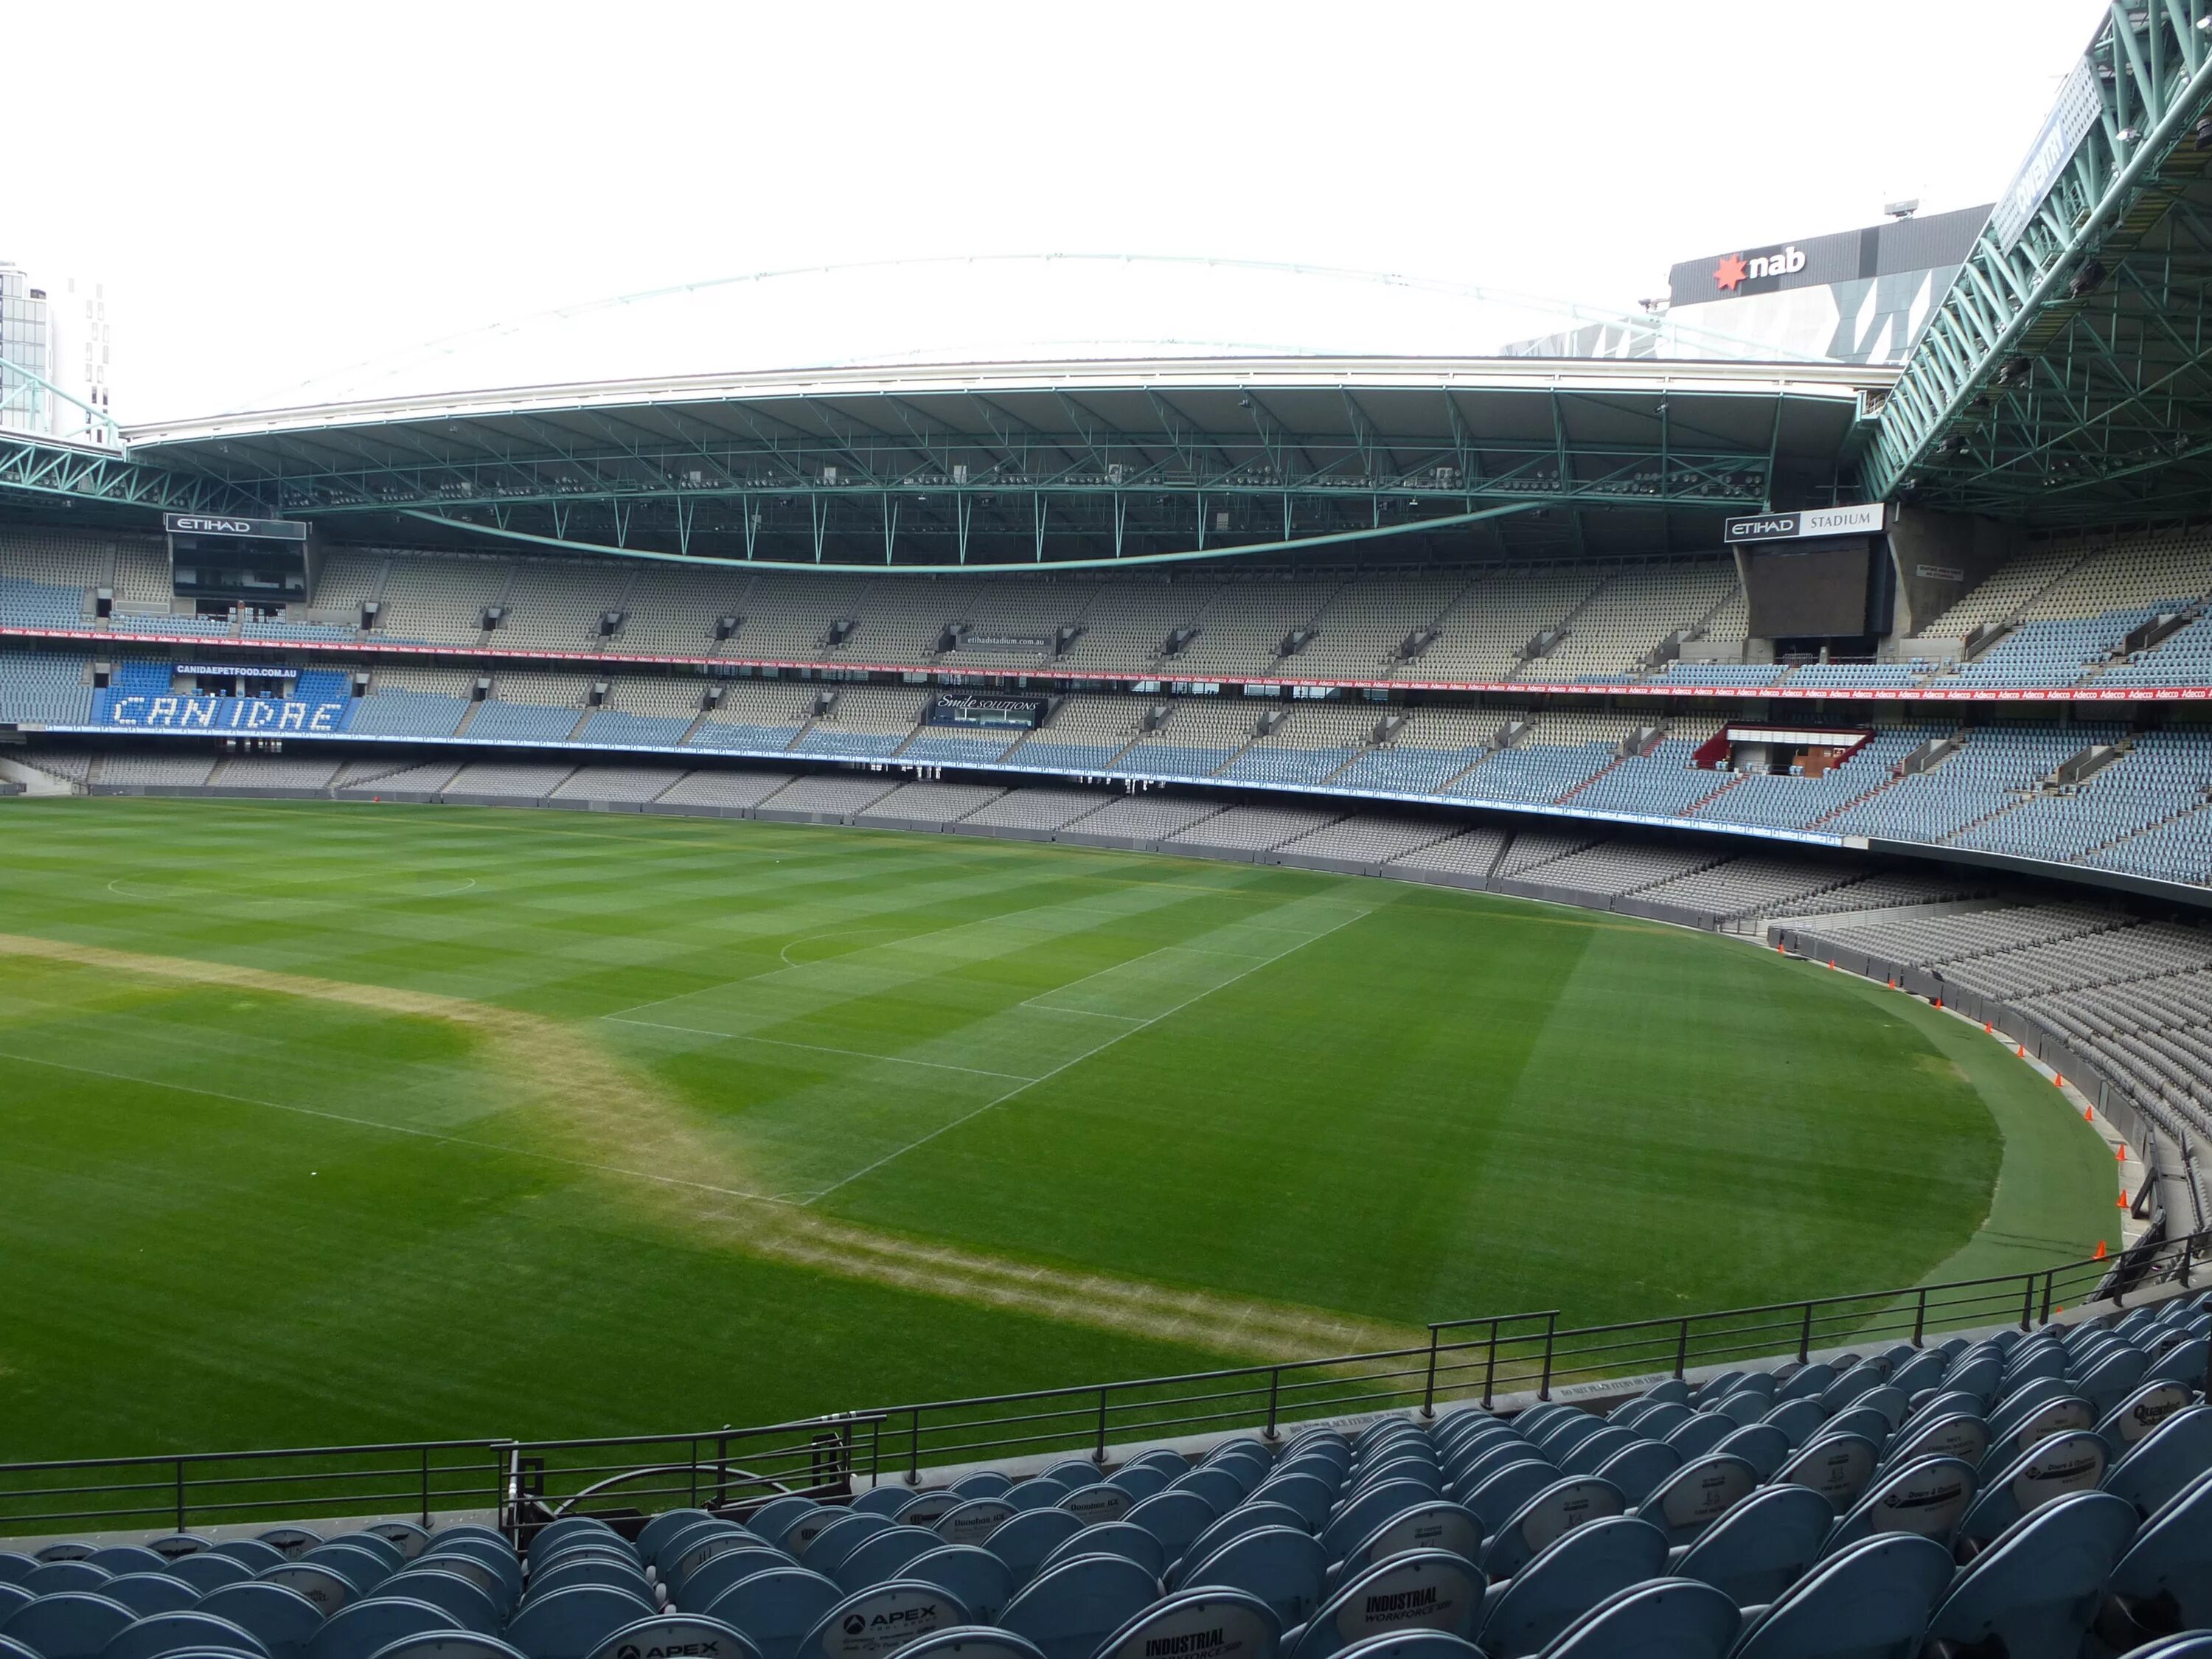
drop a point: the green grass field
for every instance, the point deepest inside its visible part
(323, 1122)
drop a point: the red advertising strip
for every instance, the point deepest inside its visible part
(617, 661)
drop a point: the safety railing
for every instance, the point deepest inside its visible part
(1480, 1361)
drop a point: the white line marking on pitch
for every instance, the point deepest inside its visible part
(819, 1049)
(401, 1129)
(922, 1140)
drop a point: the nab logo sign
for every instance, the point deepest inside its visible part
(1733, 272)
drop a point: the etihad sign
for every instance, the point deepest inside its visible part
(1733, 272)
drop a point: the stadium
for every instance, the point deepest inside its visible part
(1545, 1000)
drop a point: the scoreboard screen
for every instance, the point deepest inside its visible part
(216, 557)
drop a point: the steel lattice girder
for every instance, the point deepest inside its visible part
(1101, 459)
(2059, 372)
(43, 467)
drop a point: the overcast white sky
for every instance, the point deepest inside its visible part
(272, 193)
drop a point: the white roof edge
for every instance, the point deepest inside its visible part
(1473, 373)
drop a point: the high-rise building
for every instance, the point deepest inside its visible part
(54, 354)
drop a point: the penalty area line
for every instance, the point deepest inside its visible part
(818, 1049)
(1099, 1048)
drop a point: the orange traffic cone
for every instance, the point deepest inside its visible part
(1985, 1028)
(1832, 967)
(2121, 1154)
(2124, 1201)
(1938, 1002)
(2019, 1052)
(2089, 1115)
(2058, 1079)
(2099, 1257)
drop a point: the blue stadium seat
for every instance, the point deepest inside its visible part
(1140, 1481)
(1441, 1525)
(2036, 1589)
(972, 1520)
(2164, 1582)
(1284, 1567)
(1433, 1589)
(49, 1577)
(1927, 1498)
(1567, 1577)
(571, 1623)
(971, 1642)
(669, 1634)
(2152, 1471)
(775, 1608)
(1213, 1620)
(882, 1556)
(1100, 1501)
(318, 1584)
(1869, 1599)
(886, 1501)
(1245, 1517)
(1659, 1619)
(1068, 1610)
(282, 1620)
(705, 1586)
(1697, 1494)
(466, 1606)
(1762, 1546)
(208, 1571)
(974, 1577)
(1368, 1510)
(363, 1628)
(839, 1540)
(1412, 1644)
(69, 1624)
(772, 1520)
(1034, 1494)
(2071, 1463)
(183, 1632)
(889, 1612)
(448, 1645)
(145, 1593)
(1024, 1541)
(120, 1559)
(1638, 1470)
(1174, 1518)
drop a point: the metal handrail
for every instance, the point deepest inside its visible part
(1528, 1352)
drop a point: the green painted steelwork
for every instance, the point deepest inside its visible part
(79, 472)
(2064, 377)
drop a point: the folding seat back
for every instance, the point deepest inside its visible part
(1069, 1610)
(1249, 1468)
(1717, 1387)
(1662, 1420)
(571, 1623)
(1962, 1435)
(1506, 1490)
(1979, 1371)
(1217, 1486)
(181, 1631)
(1927, 1499)
(448, 1645)
(547, 1540)
(1220, 1623)
(2017, 1405)
(1099, 1502)
(1429, 1590)
(2183, 1363)
(971, 1642)
(1363, 1514)
(881, 1619)
(69, 1624)
(1443, 1525)
(1488, 1459)
(1760, 1445)
(2075, 1461)
(2164, 1582)
(980, 1582)
(144, 1593)
(1245, 1517)
(1034, 1494)
(1074, 1471)
(1625, 1413)
(1556, 1438)
(1694, 1438)
(830, 1546)
(1807, 1382)
(666, 1524)
(2049, 1421)
(466, 1607)
(2033, 1362)
(16, 1566)
(116, 1560)
(666, 1635)
(389, 1553)
(491, 1553)
(482, 1574)
(1589, 1456)
(1245, 1445)
(1673, 1391)
(2036, 1589)
(1659, 1619)
(1867, 1422)
(1924, 1371)
(1140, 1481)
(1559, 1508)
(1421, 1471)
(1165, 1459)
(886, 1501)
(318, 1583)
(874, 1560)
(12, 1596)
(972, 1520)
(2113, 1376)
(1697, 1494)
(288, 1541)
(1801, 1419)
(776, 1608)
(1868, 1600)
(2143, 1410)
(361, 1629)
(74, 1573)
(984, 1483)
(1284, 1568)
(1844, 1391)
(282, 1620)
(705, 1587)
(773, 1521)
(2170, 1456)
(585, 1569)
(362, 1568)
(1762, 1546)
(1744, 1405)
(1419, 1644)
(1567, 1577)
(1638, 1468)
(1024, 1541)
(1111, 1537)
(1530, 1423)
(1328, 1475)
